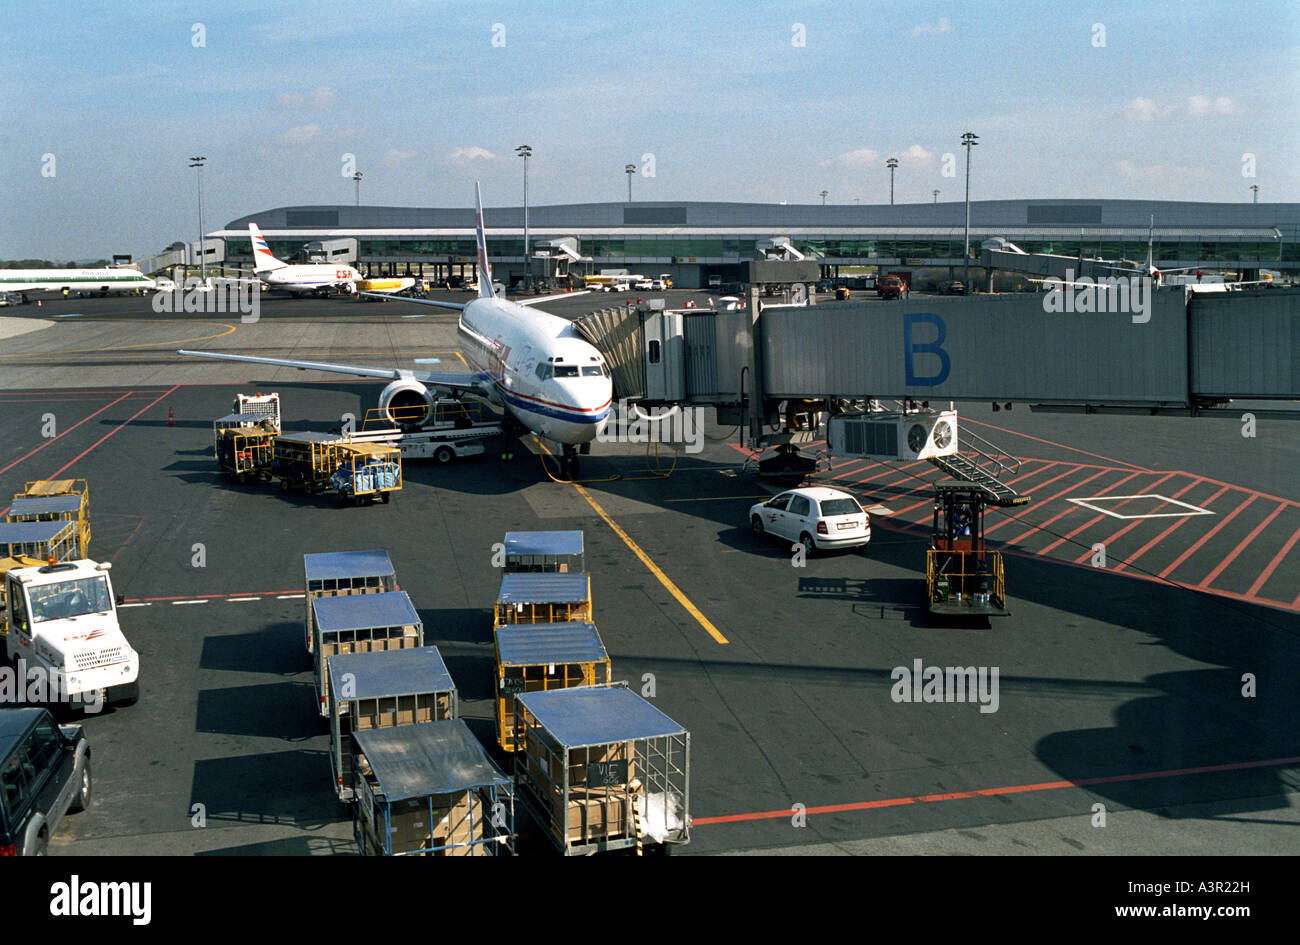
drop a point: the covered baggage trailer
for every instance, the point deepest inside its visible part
(429, 790)
(544, 551)
(54, 508)
(49, 542)
(244, 445)
(340, 573)
(69, 490)
(540, 656)
(368, 471)
(383, 690)
(361, 623)
(527, 597)
(306, 459)
(600, 768)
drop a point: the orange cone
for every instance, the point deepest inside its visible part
(171, 421)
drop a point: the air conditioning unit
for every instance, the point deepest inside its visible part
(907, 436)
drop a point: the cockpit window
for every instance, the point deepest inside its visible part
(544, 372)
(592, 370)
(566, 370)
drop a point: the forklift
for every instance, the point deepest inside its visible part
(962, 576)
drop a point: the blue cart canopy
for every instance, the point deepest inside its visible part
(45, 505)
(391, 673)
(534, 644)
(532, 588)
(23, 533)
(341, 565)
(429, 758)
(586, 716)
(364, 611)
(524, 544)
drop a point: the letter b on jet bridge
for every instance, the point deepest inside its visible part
(934, 347)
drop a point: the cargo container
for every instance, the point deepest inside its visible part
(543, 598)
(600, 768)
(46, 541)
(560, 552)
(383, 690)
(429, 790)
(361, 623)
(340, 573)
(540, 656)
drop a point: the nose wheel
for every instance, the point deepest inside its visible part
(569, 467)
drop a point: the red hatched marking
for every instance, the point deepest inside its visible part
(1206, 537)
(1066, 511)
(1161, 537)
(1097, 518)
(55, 439)
(1209, 578)
(1272, 566)
(1136, 522)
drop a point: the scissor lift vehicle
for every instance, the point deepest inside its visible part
(963, 577)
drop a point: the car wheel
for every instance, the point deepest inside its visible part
(443, 455)
(809, 546)
(756, 526)
(385, 497)
(82, 800)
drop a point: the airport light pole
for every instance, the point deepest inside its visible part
(525, 152)
(1255, 195)
(823, 196)
(936, 196)
(629, 170)
(197, 162)
(892, 164)
(357, 178)
(968, 141)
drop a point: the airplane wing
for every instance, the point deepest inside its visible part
(455, 305)
(549, 298)
(455, 382)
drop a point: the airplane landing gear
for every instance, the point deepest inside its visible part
(569, 462)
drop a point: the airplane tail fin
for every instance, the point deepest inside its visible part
(484, 270)
(263, 259)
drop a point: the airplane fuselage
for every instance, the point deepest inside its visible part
(540, 370)
(84, 280)
(309, 278)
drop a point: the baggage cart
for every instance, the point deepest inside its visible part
(540, 656)
(340, 573)
(383, 690)
(308, 460)
(368, 471)
(54, 508)
(527, 597)
(244, 446)
(46, 541)
(67, 490)
(544, 551)
(429, 790)
(600, 768)
(361, 623)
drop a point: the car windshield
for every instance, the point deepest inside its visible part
(69, 599)
(844, 506)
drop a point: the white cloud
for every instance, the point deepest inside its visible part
(942, 25)
(858, 158)
(322, 97)
(1198, 105)
(394, 156)
(291, 99)
(917, 154)
(1142, 109)
(471, 154)
(300, 134)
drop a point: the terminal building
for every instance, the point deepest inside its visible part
(692, 241)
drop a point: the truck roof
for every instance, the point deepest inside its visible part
(13, 723)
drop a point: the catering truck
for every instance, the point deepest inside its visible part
(64, 636)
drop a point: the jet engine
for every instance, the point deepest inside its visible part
(406, 403)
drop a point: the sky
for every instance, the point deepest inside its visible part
(106, 103)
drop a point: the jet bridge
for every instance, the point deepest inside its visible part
(1154, 351)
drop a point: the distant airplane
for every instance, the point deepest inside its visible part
(102, 281)
(533, 365)
(298, 278)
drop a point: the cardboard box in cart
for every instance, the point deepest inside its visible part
(543, 598)
(383, 690)
(600, 768)
(361, 623)
(339, 573)
(429, 790)
(537, 656)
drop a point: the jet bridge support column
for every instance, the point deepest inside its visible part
(755, 399)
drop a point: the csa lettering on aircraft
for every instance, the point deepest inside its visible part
(934, 347)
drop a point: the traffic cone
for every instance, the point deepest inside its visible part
(171, 421)
(39, 303)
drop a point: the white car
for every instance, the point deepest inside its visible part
(644, 284)
(816, 517)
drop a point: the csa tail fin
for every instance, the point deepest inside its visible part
(263, 259)
(484, 270)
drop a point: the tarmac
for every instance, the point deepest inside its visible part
(1160, 686)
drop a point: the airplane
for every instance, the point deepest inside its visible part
(534, 366)
(297, 278)
(102, 281)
